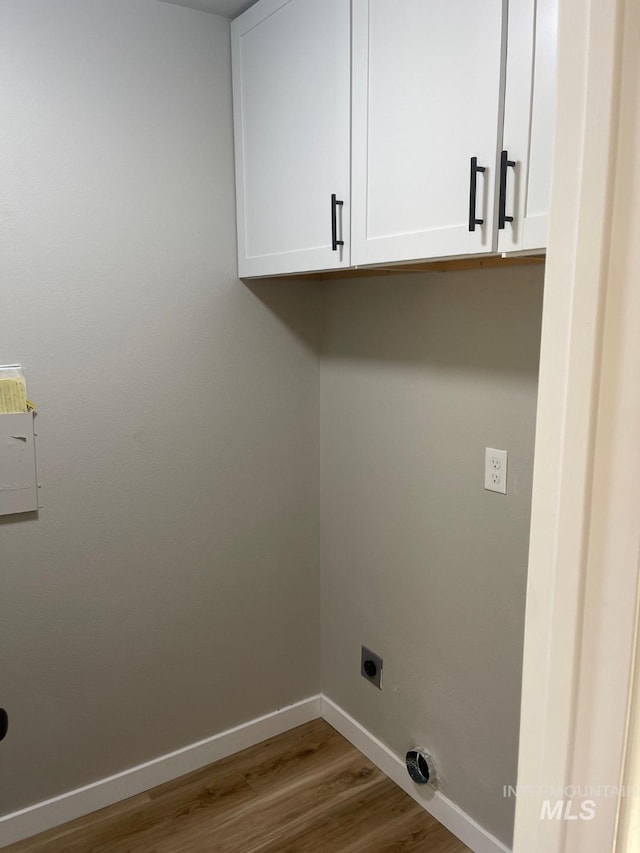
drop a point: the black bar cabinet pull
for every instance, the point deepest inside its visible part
(473, 187)
(505, 163)
(334, 223)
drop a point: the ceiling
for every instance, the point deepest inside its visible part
(228, 8)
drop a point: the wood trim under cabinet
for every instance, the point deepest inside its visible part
(453, 265)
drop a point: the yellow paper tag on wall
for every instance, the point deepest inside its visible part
(13, 396)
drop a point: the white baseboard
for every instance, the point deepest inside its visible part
(41, 816)
(444, 811)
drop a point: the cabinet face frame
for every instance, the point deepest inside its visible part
(530, 100)
(281, 194)
(411, 241)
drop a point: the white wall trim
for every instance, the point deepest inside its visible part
(442, 809)
(105, 792)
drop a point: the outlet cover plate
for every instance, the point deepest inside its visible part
(367, 660)
(495, 470)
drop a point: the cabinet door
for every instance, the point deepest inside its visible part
(291, 87)
(529, 123)
(426, 100)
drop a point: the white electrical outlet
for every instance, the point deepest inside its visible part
(495, 470)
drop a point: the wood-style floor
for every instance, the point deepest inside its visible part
(306, 791)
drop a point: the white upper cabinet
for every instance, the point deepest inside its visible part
(426, 125)
(371, 132)
(529, 123)
(291, 88)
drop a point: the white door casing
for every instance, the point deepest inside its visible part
(582, 597)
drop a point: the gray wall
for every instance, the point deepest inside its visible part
(169, 588)
(418, 375)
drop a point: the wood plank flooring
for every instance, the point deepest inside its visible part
(306, 791)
